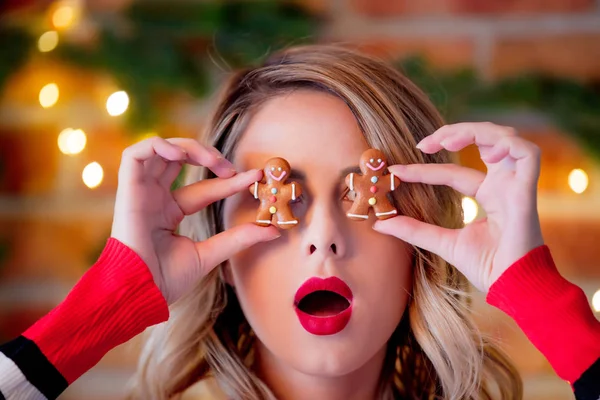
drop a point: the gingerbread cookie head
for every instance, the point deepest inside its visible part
(372, 187)
(373, 162)
(275, 195)
(276, 170)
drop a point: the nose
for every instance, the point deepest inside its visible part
(332, 248)
(323, 235)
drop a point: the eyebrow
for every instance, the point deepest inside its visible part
(300, 175)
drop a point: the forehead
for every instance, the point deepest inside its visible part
(371, 154)
(310, 129)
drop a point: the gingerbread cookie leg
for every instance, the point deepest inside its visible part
(263, 217)
(384, 209)
(359, 210)
(285, 218)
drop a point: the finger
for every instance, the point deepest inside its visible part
(432, 238)
(455, 137)
(463, 179)
(525, 154)
(170, 174)
(133, 158)
(224, 245)
(193, 198)
(155, 166)
(205, 156)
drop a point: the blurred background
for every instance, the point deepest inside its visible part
(82, 80)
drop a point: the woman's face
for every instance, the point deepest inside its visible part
(325, 334)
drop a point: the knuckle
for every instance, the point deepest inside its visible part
(510, 131)
(535, 149)
(128, 152)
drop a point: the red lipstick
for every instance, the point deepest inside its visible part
(323, 306)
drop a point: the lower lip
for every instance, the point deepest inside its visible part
(323, 326)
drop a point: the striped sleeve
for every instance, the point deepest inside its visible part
(556, 317)
(114, 301)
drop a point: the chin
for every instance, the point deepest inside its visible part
(321, 360)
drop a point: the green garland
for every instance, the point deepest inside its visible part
(163, 47)
(168, 45)
(572, 106)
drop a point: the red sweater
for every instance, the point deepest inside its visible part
(117, 299)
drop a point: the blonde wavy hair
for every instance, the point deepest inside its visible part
(436, 350)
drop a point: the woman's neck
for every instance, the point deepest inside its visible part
(290, 384)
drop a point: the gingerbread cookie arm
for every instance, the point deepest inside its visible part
(350, 180)
(255, 188)
(390, 181)
(293, 190)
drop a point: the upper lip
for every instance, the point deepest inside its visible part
(331, 284)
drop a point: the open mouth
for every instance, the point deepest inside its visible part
(323, 303)
(324, 306)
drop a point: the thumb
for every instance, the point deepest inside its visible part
(430, 237)
(224, 245)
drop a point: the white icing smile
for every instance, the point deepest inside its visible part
(277, 178)
(381, 164)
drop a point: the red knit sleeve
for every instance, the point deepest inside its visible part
(114, 301)
(553, 313)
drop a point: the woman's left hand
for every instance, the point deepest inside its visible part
(485, 248)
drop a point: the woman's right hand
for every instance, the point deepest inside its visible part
(147, 213)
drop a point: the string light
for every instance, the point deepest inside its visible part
(578, 180)
(65, 14)
(596, 301)
(49, 95)
(117, 103)
(92, 175)
(71, 141)
(470, 209)
(48, 41)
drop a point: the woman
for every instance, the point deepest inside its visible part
(235, 329)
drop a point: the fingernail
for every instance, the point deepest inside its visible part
(216, 152)
(250, 172)
(419, 145)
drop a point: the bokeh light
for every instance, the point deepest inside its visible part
(48, 41)
(596, 301)
(117, 103)
(49, 95)
(470, 209)
(578, 180)
(72, 141)
(63, 16)
(92, 175)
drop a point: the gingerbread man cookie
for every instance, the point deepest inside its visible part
(371, 188)
(274, 195)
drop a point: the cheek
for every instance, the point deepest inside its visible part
(385, 281)
(262, 281)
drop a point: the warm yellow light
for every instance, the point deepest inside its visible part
(72, 141)
(117, 103)
(49, 95)
(63, 16)
(470, 209)
(92, 175)
(578, 180)
(48, 41)
(596, 301)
